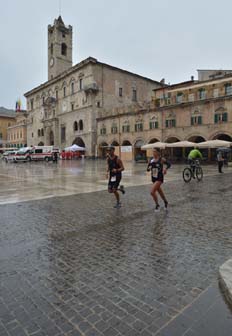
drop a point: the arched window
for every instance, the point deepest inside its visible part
(63, 49)
(42, 132)
(72, 88)
(64, 91)
(39, 133)
(81, 125)
(75, 126)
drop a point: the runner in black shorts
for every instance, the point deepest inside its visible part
(156, 166)
(114, 173)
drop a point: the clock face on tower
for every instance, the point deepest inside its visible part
(51, 62)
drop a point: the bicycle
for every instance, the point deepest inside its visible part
(194, 170)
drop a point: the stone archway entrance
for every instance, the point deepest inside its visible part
(79, 142)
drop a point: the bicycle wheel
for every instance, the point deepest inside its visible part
(199, 173)
(187, 175)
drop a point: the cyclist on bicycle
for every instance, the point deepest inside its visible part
(192, 157)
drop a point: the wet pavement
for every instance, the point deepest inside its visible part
(73, 265)
(38, 180)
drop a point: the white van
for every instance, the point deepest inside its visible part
(36, 153)
(44, 153)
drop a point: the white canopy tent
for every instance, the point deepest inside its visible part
(214, 144)
(182, 144)
(75, 148)
(154, 145)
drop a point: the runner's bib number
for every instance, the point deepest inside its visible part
(113, 179)
(154, 172)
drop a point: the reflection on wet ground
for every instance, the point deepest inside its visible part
(74, 265)
(38, 180)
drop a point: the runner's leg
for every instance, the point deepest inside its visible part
(160, 191)
(154, 189)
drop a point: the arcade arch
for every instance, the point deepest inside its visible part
(196, 138)
(154, 140)
(115, 143)
(222, 136)
(139, 154)
(102, 149)
(126, 143)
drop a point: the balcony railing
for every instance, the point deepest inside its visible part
(91, 88)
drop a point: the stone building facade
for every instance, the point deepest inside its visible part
(194, 110)
(17, 133)
(7, 118)
(64, 110)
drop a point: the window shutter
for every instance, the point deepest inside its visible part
(156, 124)
(224, 117)
(192, 121)
(200, 120)
(150, 124)
(216, 118)
(166, 123)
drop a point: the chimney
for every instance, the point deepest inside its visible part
(192, 78)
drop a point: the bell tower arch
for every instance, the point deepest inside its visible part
(59, 48)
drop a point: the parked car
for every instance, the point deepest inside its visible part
(9, 156)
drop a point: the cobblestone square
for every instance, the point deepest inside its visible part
(73, 265)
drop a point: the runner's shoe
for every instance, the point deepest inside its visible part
(121, 188)
(157, 208)
(166, 206)
(117, 205)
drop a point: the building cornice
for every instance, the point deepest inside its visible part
(195, 83)
(196, 102)
(78, 66)
(127, 114)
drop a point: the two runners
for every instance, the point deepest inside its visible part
(114, 173)
(156, 166)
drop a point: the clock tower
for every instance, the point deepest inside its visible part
(59, 48)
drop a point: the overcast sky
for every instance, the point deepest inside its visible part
(158, 39)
